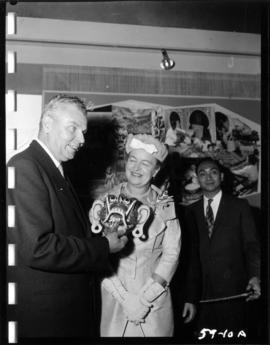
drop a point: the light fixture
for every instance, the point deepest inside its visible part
(166, 62)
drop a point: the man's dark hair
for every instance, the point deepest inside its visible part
(209, 160)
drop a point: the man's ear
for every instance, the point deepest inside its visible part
(222, 177)
(47, 123)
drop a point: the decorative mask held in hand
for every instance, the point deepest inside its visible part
(119, 211)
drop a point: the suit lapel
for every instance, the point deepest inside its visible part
(59, 182)
(201, 217)
(76, 199)
(221, 214)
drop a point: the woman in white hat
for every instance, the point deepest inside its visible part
(136, 298)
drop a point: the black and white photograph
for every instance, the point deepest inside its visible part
(135, 192)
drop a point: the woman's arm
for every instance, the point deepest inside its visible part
(171, 247)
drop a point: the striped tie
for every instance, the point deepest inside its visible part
(209, 217)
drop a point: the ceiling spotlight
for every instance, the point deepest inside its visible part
(166, 62)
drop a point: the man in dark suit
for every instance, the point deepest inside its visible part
(228, 251)
(55, 252)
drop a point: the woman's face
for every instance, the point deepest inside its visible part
(141, 166)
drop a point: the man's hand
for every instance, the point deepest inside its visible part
(116, 241)
(254, 286)
(189, 312)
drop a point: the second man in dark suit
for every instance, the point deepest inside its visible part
(228, 251)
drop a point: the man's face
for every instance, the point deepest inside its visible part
(141, 166)
(65, 129)
(209, 177)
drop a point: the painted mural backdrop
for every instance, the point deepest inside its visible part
(213, 131)
(191, 133)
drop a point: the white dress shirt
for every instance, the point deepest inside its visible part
(215, 203)
(56, 162)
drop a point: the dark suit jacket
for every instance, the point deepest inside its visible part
(55, 253)
(189, 268)
(232, 256)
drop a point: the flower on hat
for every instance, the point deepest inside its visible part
(148, 143)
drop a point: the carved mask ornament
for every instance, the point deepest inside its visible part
(115, 211)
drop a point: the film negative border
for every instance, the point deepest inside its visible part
(11, 144)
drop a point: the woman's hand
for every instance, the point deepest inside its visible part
(151, 291)
(134, 310)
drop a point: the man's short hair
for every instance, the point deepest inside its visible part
(210, 160)
(59, 99)
(64, 99)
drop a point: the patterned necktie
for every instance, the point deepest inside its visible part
(209, 217)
